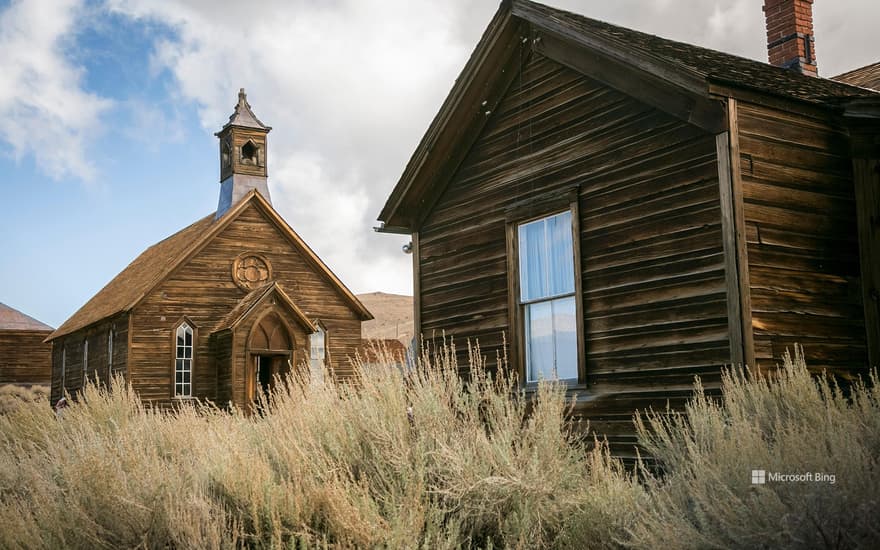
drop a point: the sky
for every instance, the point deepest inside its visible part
(108, 110)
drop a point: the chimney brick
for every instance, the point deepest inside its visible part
(790, 42)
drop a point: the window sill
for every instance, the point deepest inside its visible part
(184, 398)
(570, 387)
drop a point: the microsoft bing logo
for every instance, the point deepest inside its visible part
(759, 477)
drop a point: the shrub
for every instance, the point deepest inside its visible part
(787, 422)
(476, 463)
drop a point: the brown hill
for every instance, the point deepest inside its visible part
(393, 316)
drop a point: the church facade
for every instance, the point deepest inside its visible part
(220, 308)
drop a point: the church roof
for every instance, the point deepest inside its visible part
(12, 319)
(254, 298)
(865, 77)
(149, 269)
(243, 115)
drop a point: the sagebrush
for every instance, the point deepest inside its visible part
(426, 459)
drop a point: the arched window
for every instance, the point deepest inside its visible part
(317, 354)
(249, 153)
(183, 361)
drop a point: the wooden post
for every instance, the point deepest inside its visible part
(866, 175)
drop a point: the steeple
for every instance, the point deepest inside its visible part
(242, 156)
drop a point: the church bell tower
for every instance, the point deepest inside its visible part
(242, 156)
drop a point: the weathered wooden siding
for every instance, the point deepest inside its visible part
(651, 244)
(99, 362)
(203, 290)
(803, 254)
(24, 358)
(221, 363)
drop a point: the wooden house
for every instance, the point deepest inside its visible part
(25, 358)
(628, 212)
(216, 310)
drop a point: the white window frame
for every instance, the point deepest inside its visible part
(183, 365)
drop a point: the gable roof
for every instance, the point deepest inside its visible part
(255, 298)
(865, 77)
(156, 263)
(606, 52)
(12, 319)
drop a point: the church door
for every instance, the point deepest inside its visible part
(269, 353)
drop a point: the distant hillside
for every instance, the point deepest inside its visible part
(393, 316)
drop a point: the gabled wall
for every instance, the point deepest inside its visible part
(204, 292)
(652, 257)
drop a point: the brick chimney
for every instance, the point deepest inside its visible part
(790, 35)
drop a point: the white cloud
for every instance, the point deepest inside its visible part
(351, 85)
(43, 110)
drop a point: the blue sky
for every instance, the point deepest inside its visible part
(108, 108)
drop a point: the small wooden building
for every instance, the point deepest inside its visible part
(25, 359)
(216, 310)
(628, 212)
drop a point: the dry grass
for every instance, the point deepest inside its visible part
(13, 396)
(476, 464)
(335, 464)
(793, 423)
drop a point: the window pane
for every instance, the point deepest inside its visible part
(532, 260)
(561, 256)
(565, 330)
(539, 341)
(179, 364)
(180, 340)
(189, 337)
(546, 261)
(187, 352)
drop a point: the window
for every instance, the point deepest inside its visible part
(249, 153)
(318, 353)
(85, 362)
(547, 298)
(109, 354)
(63, 367)
(183, 361)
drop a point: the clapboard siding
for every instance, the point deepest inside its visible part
(802, 239)
(100, 368)
(202, 290)
(653, 280)
(24, 358)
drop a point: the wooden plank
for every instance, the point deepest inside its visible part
(693, 108)
(739, 229)
(417, 292)
(728, 230)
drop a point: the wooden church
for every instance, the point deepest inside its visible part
(216, 310)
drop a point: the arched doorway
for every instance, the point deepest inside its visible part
(269, 354)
